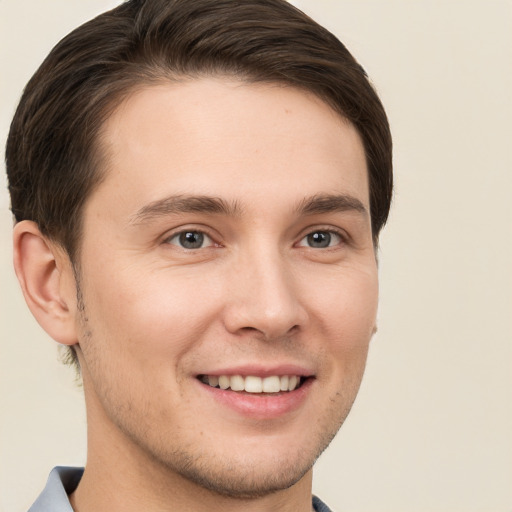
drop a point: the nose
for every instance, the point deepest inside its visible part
(264, 298)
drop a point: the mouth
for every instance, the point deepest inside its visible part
(259, 393)
(252, 384)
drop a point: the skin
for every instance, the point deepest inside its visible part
(153, 315)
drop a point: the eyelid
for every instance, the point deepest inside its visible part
(207, 232)
(342, 234)
(166, 239)
(206, 239)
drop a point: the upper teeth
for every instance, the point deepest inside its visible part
(252, 384)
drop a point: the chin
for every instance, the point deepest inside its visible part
(249, 470)
(244, 480)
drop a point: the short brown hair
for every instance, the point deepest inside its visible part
(52, 156)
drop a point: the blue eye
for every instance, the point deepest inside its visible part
(320, 239)
(191, 240)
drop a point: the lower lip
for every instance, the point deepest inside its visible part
(261, 406)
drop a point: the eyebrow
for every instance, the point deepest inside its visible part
(315, 205)
(330, 203)
(185, 204)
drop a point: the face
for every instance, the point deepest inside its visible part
(228, 281)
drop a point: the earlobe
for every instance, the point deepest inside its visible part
(46, 278)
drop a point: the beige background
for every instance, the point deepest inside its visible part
(432, 428)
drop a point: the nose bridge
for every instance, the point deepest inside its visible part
(265, 297)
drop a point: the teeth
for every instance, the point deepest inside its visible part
(271, 384)
(236, 383)
(224, 382)
(252, 384)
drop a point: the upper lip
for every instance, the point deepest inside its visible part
(259, 370)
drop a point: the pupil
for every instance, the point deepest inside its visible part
(319, 239)
(191, 240)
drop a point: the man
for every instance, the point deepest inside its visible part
(199, 186)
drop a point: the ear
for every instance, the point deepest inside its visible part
(46, 277)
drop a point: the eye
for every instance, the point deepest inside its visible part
(190, 240)
(321, 239)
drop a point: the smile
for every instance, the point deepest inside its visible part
(253, 384)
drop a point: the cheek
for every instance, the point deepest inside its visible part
(346, 315)
(149, 313)
(346, 305)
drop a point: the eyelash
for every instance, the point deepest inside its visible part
(185, 232)
(342, 236)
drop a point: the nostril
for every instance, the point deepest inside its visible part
(249, 329)
(260, 333)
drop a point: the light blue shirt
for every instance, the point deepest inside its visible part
(64, 480)
(54, 498)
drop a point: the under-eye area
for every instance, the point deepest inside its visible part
(254, 384)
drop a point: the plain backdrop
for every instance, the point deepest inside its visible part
(431, 430)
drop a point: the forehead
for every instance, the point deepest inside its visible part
(225, 137)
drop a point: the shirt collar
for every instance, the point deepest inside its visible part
(64, 480)
(61, 482)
